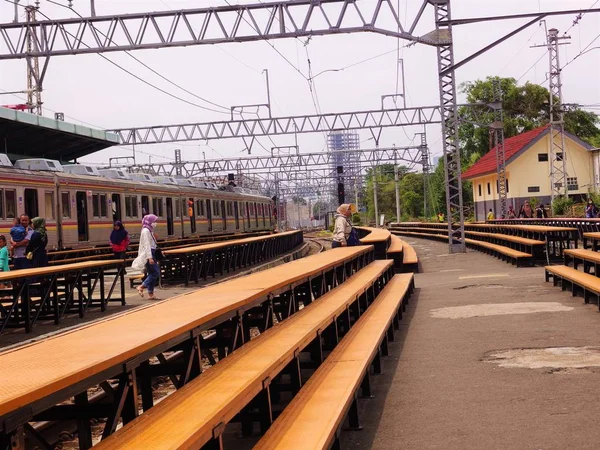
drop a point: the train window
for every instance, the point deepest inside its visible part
(103, 211)
(216, 211)
(1, 203)
(95, 206)
(49, 205)
(65, 204)
(157, 206)
(11, 204)
(230, 209)
(200, 207)
(131, 206)
(31, 203)
(145, 205)
(89, 170)
(177, 209)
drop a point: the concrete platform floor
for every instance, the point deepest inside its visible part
(442, 386)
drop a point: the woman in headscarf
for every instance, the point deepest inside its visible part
(37, 244)
(119, 240)
(146, 256)
(526, 211)
(342, 227)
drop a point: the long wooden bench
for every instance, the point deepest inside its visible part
(43, 375)
(314, 418)
(505, 253)
(410, 260)
(588, 258)
(198, 413)
(588, 284)
(395, 252)
(378, 237)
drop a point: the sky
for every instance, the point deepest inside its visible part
(90, 90)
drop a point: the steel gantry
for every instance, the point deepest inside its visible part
(312, 123)
(285, 164)
(200, 26)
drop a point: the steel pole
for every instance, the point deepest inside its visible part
(375, 196)
(397, 186)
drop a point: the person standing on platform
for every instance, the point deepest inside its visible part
(441, 217)
(36, 249)
(119, 240)
(510, 214)
(342, 227)
(526, 211)
(3, 258)
(540, 212)
(20, 260)
(147, 256)
(490, 215)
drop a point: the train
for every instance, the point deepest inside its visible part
(81, 203)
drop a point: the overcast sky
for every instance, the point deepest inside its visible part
(90, 90)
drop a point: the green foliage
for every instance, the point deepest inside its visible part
(534, 202)
(525, 107)
(561, 205)
(356, 220)
(319, 210)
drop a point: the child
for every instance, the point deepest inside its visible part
(17, 233)
(3, 258)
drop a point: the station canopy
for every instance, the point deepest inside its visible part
(25, 135)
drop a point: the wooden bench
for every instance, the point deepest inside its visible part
(315, 416)
(579, 281)
(395, 251)
(588, 258)
(197, 414)
(61, 368)
(378, 238)
(592, 236)
(505, 253)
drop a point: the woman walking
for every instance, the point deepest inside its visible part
(119, 240)
(37, 243)
(342, 227)
(147, 256)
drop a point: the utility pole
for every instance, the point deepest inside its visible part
(397, 187)
(426, 169)
(34, 86)
(558, 165)
(375, 196)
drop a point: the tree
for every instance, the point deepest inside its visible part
(525, 107)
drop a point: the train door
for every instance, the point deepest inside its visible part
(116, 207)
(170, 227)
(82, 217)
(191, 214)
(145, 205)
(209, 214)
(31, 203)
(236, 213)
(224, 212)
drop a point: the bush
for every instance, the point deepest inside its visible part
(561, 205)
(534, 202)
(356, 219)
(331, 228)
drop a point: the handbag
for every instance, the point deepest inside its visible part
(353, 239)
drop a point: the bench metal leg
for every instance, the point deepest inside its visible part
(353, 419)
(365, 386)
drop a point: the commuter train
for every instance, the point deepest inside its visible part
(80, 203)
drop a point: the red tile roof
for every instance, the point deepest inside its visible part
(512, 146)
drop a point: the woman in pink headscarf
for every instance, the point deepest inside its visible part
(146, 256)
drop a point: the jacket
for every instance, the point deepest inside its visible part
(341, 229)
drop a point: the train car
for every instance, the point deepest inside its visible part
(81, 203)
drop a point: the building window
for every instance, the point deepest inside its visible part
(497, 186)
(507, 185)
(572, 184)
(479, 186)
(489, 189)
(559, 156)
(542, 157)
(533, 189)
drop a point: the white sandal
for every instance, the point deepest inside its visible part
(140, 290)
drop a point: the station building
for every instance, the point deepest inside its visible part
(528, 171)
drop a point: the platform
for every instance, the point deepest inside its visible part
(463, 379)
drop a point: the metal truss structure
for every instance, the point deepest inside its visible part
(201, 26)
(497, 128)
(447, 80)
(285, 165)
(558, 156)
(249, 128)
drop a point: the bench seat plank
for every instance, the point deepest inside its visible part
(313, 417)
(588, 255)
(191, 414)
(582, 279)
(396, 245)
(36, 371)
